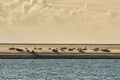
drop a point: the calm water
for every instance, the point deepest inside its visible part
(59, 69)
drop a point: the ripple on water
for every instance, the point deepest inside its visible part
(59, 69)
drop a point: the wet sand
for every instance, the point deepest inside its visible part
(60, 56)
(59, 51)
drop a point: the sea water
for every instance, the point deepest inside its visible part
(59, 69)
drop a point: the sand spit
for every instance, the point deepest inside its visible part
(58, 51)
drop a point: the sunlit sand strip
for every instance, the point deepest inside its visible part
(59, 51)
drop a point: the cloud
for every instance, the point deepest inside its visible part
(29, 19)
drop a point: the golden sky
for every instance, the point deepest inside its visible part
(60, 21)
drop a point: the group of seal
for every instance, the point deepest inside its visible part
(56, 50)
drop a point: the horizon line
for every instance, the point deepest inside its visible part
(59, 44)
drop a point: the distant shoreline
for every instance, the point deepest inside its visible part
(53, 44)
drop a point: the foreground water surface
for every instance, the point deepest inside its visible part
(59, 69)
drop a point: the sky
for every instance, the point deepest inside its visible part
(60, 21)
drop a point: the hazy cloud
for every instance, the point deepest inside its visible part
(59, 20)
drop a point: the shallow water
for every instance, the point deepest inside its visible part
(59, 69)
